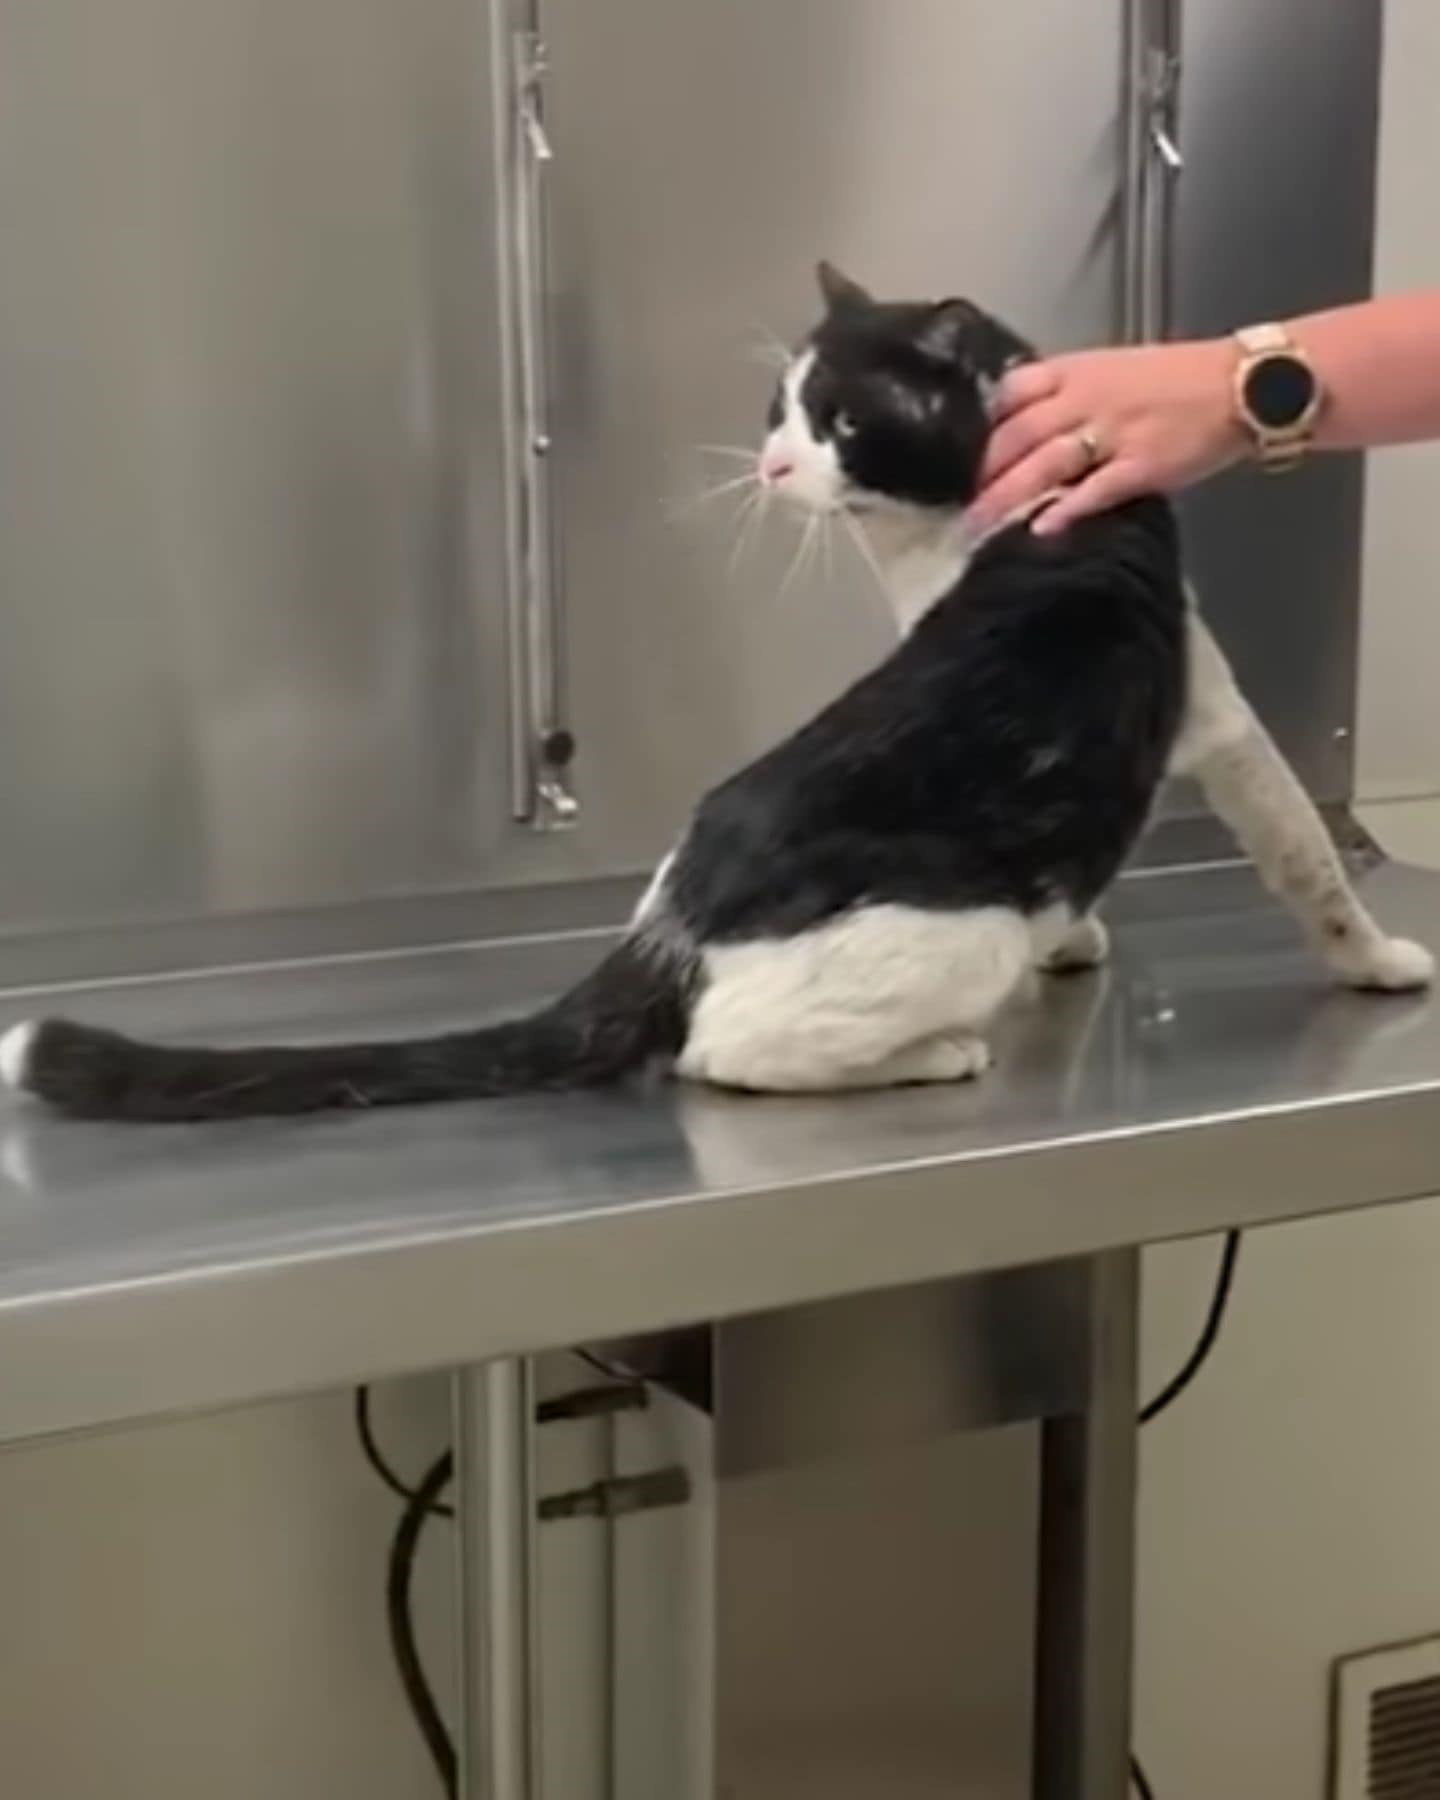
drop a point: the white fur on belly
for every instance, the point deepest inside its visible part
(15, 1048)
(844, 1004)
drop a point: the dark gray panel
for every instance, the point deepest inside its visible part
(1278, 119)
(247, 393)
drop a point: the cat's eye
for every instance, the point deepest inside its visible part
(845, 426)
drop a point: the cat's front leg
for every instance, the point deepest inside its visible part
(1255, 792)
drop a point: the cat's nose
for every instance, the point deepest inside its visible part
(775, 468)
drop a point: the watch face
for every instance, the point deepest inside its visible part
(1278, 391)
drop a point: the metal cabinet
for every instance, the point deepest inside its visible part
(248, 412)
(357, 364)
(704, 157)
(262, 641)
(1275, 217)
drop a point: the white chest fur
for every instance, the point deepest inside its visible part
(923, 554)
(921, 557)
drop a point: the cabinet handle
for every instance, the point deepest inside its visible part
(542, 749)
(1154, 163)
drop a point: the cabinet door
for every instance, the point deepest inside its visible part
(706, 153)
(1277, 563)
(248, 404)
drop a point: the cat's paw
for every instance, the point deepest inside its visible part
(1393, 966)
(949, 1059)
(1085, 946)
(16, 1046)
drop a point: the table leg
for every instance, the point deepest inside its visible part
(499, 1737)
(1085, 1634)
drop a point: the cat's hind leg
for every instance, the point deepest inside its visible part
(1085, 945)
(881, 997)
(1256, 793)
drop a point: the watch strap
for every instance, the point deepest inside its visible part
(1277, 448)
(1264, 340)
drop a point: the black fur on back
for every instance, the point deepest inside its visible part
(1006, 754)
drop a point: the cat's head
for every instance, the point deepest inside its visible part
(886, 402)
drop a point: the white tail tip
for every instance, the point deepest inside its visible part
(15, 1048)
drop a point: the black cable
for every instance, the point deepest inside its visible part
(422, 1504)
(611, 1371)
(420, 1507)
(377, 1459)
(1209, 1334)
(1171, 1392)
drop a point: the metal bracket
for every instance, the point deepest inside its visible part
(1153, 164)
(542, 748)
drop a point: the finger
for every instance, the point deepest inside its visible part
(1057, 461)
(1023, 433)
(1107, 487)
(1023, 386)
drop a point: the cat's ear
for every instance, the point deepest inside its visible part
(948, 334)
(840, 292)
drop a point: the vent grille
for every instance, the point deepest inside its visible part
(1387, 1724)
(1405, 1741)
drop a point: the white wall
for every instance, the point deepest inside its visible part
(1399, 737)
(1289, 1502)
(1289, 1505)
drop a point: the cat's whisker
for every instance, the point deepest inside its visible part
(737, 450)
(748, 480)
(817, 543)
(827, 534)
(802, 555)
(867, 552)
(768, 349)
(749, 523)
(740, 530)
(692, 503)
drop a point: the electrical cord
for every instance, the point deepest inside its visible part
(385, 1469)
(379, 1462)
(1140, 1781)
(423, 1503)
(420, 1508)
(610, 1370)
(1209, 1333)
(1188, 1373)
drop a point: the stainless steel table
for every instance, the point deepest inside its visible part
(1210, 1078)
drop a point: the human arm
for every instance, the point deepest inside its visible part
(1164, 415)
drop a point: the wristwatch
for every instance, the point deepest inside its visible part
(1278, 396)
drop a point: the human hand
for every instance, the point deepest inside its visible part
(1145, 419)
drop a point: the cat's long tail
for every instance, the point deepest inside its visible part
(632, 1008)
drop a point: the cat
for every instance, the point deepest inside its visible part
(854, 908)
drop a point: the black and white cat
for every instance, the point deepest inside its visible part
(853, 909)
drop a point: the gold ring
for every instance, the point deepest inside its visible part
(1091, 448)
